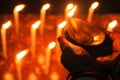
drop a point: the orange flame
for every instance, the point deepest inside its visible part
(6, 25)
(62, 25)
(20, 55)
(94, 5)
(112, 25)
(71, 13)
(19, 7)
(36, 24)
(52, 45)
(46, 6)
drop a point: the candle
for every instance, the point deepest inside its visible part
(33, 37)
(3, 35)
(48, 56)
(112, 25)
(68, 8)
(19, 56)
(8, 76)
(16, 11)
(91, 10)
(60, 27)
(42, 17)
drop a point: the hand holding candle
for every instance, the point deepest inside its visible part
(42, 17)
(33, 37)
(3, 35)
(16, 11)
(91, 10)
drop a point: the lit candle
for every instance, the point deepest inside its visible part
(19, 56)
(112, 25)
(16, 11)
(60, 27)
(42, 17)
(8, 76)
(68, 8)
(48, 56)
(91, 10)
(33, 37)
(3, 35)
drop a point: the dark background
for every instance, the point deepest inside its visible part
(58, 6)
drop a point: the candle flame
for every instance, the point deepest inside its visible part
(62, 25)
(36, 24)
(21, 54)
(70, 6)
(94, 5)
(46, 6)
(19, 7)
(112, 25)
(6, 25)
(52, 45)
(71, 13)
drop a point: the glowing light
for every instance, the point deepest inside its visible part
(46, 6)
(96, 38)
(36, 24)
(71, 13)
(21, 54)
(69, 6)
(112, 25)
(32, 76)
(41, 59)
(62, 25)
(52, 45)
(8, 76)
(6, 25)
(19, 7)
(54, 76)
(94, 5)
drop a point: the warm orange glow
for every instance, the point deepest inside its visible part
(62, 25)
(6, 25)
(54, 76)
(41, 59)
(19, 7)
(36, 24)
(112, 25)
(8, 76)
(69, 6)
(32, 76)
(96, 38)
(94, 5)
(20, 55)
(46, 6)
(52, 45)
(71, 13)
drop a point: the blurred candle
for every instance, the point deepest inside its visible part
(16, 11)
(42, 17)
(68, 8)
(3, 35)
(48, 56)
(91, 10)
(54, 76)
(60, 27)
(112, 25)
(18, 62)
(32, 76)
(33, 37)
(8, 76)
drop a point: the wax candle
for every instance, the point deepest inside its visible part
(112, 25)
(18, 62)
(3, 35)
(42, 16)
(91, 10)
(16, 11)
(33, 37)
(48, 56)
